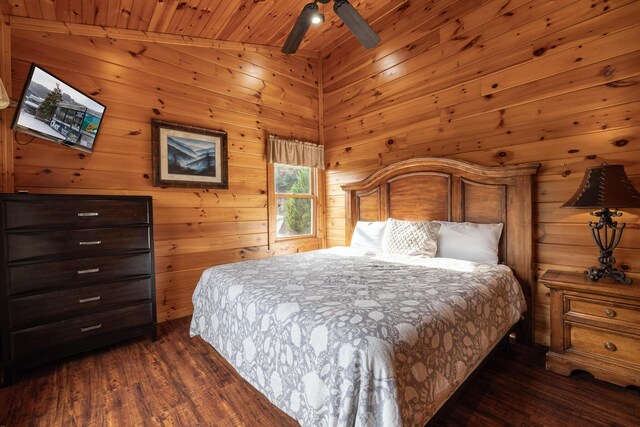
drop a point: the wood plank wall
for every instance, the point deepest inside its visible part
(245, 93)
(6, 138)
(495, 82)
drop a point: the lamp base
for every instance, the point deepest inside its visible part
(595, 274)
(606, 243)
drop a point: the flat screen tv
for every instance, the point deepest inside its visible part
(54, 110)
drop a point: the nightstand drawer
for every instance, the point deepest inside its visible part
(604, 309)
(595, 326)
(75, 243)
(53, 306)
(30, 341)
(603, 343)
(37, 212)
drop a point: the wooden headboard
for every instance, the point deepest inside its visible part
(425, 189)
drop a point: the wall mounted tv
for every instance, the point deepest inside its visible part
(54, 110)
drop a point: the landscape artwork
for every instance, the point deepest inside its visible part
(188, 156)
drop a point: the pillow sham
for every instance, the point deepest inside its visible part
(469, 241)
(368, 235)
(410, 238)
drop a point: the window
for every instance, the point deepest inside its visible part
(295, 192)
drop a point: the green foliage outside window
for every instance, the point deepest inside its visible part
(298, 211)
(286, 176)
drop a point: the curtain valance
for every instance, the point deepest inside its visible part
(294, 152)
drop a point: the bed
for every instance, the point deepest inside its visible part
(348, 337)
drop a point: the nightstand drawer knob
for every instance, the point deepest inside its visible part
(609, 312)
(610, 346)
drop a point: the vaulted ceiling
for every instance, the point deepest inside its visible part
(264, 22)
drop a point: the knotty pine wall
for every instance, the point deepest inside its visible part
(495, 82)
(244, 93)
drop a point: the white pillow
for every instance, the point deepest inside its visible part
(368, 235)
(469, 241)
(410, 238)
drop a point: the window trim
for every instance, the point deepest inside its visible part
(272, 205)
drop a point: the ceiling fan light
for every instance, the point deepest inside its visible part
(311, 14)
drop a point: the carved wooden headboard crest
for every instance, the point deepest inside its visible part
(425, 189)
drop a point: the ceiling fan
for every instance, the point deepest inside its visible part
(352, 19)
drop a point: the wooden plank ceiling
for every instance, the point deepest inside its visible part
(264, 22)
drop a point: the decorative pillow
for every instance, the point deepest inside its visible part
(469, 241)
(368, 235)
(410, 238)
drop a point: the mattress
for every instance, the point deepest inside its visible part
(342, 337)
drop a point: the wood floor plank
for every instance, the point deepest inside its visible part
(182, 381)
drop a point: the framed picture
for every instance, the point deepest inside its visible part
(188, 156)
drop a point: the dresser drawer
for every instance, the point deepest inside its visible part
(77, 272)
(603, 309)
(604, 343)
(75, 243)
(52, 306)
(27, 342)
(74, 212)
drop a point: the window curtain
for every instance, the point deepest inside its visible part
(294, 152)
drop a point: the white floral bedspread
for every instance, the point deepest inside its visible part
(338, 337)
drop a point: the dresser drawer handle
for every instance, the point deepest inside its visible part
(88, 214)
(90, 243)
(91, 328)
(609, 312)
(90, 270)
(85, 300)
(610, 346)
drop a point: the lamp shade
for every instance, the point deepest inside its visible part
(4, 97)
(606, 186)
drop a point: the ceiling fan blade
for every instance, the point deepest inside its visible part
(356, 23)
(300, 28)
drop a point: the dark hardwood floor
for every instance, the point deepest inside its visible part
(179, 381)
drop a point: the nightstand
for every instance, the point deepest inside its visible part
(595, 326)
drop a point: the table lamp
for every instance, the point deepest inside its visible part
(606, 188)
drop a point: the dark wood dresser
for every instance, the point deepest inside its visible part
(595, 326)
(77, 274)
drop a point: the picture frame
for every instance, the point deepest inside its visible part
(188, 156)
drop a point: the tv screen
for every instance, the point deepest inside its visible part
(52, 109)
